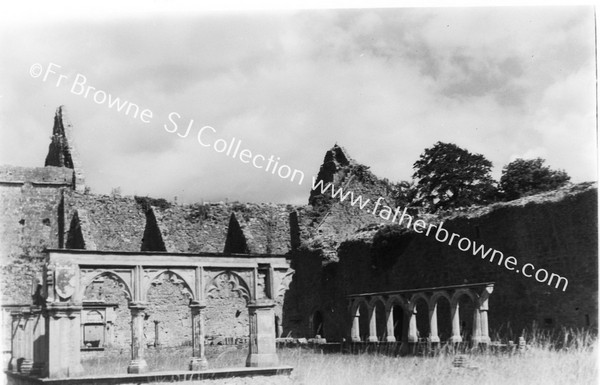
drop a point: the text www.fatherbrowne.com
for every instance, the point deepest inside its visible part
(441, 234)
(79, 86)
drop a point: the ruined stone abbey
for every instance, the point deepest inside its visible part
(146, 270)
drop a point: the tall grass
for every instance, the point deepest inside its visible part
(564, 357)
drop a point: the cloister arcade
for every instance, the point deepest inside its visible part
(451, 314)
(47, 339)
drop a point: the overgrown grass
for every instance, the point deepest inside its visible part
(561, 358)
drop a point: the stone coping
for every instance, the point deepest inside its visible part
(151, 377)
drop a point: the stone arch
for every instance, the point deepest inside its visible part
(421, 305)
(235, 282)
(378, 309)
(109, 287)
(226, 314)
(168, 316)
(397, 300)
(462, 292)
(439, 294)
(108, 274)
(442, 301)
(175, 278)
(466, 301)
(364, 312)
(398, 307)
(355, 305)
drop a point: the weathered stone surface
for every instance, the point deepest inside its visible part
(556, 231)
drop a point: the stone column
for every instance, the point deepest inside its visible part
(16, 340)
(39, 342)
(278, 326)
(373, 325)
(198, 361)
(138, 363)
(476, 337)
(390, 326)
(455, 338)
(355, 332)
(483, 315)
(412, 326)
(28, 322)
(433, 325)
(261, 352)
(485, 332)
(63, 324)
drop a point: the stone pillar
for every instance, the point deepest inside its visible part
(373, 325)
(261, 352)
(412, 326)
(355, 332)
(39, 342)
(278, 326)
(455, 338)
(476, 337)
(138, 363)
(433, 325)
(63, 324)
(198, 361)
(390, 326)
(16, 340)
(28, 322)
(485, 332)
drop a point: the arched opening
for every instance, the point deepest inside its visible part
(398, 314)
(444, 318)
(422, 309)
(466, 308)
(168, 321)
(381, 321)
(226, 314)
(364, 322)
(317, 324)
(108, 289)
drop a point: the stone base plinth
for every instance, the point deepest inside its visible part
(261, 349)
(184, 377)
(137, 366)
(262, 360)
(198, 364)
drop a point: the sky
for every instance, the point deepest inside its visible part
(383, 83)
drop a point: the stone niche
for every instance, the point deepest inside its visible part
(97, 323)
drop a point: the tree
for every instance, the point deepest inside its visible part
(529, 176)
(450, 177)
(404, 193)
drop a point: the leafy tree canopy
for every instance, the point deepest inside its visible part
(450, 177)
(525, 177)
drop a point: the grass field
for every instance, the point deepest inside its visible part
(570, 360)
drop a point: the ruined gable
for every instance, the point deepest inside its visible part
(61, 152)
(326, 221)
(225, 227)
(113, 223)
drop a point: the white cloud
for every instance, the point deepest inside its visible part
(385, 84)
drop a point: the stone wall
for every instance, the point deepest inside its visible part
(168, 303)
(30, 203)
(107, 289)
(556, 231)
(261, 227)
